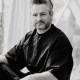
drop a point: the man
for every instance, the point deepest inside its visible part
(46, 51)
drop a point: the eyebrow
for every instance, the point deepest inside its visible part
(41, 12)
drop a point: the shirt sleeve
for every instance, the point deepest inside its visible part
(15, 57)
(60, 61)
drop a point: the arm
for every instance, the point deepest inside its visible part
(15, 56)
(40, 76)
(37, 76)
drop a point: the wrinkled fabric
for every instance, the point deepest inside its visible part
(50, 51)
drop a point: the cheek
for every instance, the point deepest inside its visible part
(48, 19)
(33, 20)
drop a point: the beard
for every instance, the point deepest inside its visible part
(41, 25)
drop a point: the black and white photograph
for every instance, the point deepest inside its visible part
(39, 39)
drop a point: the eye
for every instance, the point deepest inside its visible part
(43, 14)
(34, 15)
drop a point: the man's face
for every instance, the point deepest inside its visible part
(40, 16)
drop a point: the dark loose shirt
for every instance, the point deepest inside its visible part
(50, 51)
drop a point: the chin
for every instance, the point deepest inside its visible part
(42, 27)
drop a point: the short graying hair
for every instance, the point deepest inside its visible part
(49, 2)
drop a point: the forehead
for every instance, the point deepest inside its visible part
(38, 8)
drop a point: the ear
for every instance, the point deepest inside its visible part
(51, 13)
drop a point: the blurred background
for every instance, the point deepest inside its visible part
(15, 23)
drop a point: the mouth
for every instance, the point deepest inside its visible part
(39, 23)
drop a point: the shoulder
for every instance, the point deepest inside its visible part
(59, 33)
(61, 39)
(26, 37)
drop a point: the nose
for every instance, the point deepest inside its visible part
(38, 18)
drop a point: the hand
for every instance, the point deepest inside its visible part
(40, 76)
(30, 77)
(3, 59)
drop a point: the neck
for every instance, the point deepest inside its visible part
(43, 31)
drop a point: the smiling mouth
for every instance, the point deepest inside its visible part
(40, 23)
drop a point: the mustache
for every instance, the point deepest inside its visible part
(40, 22)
